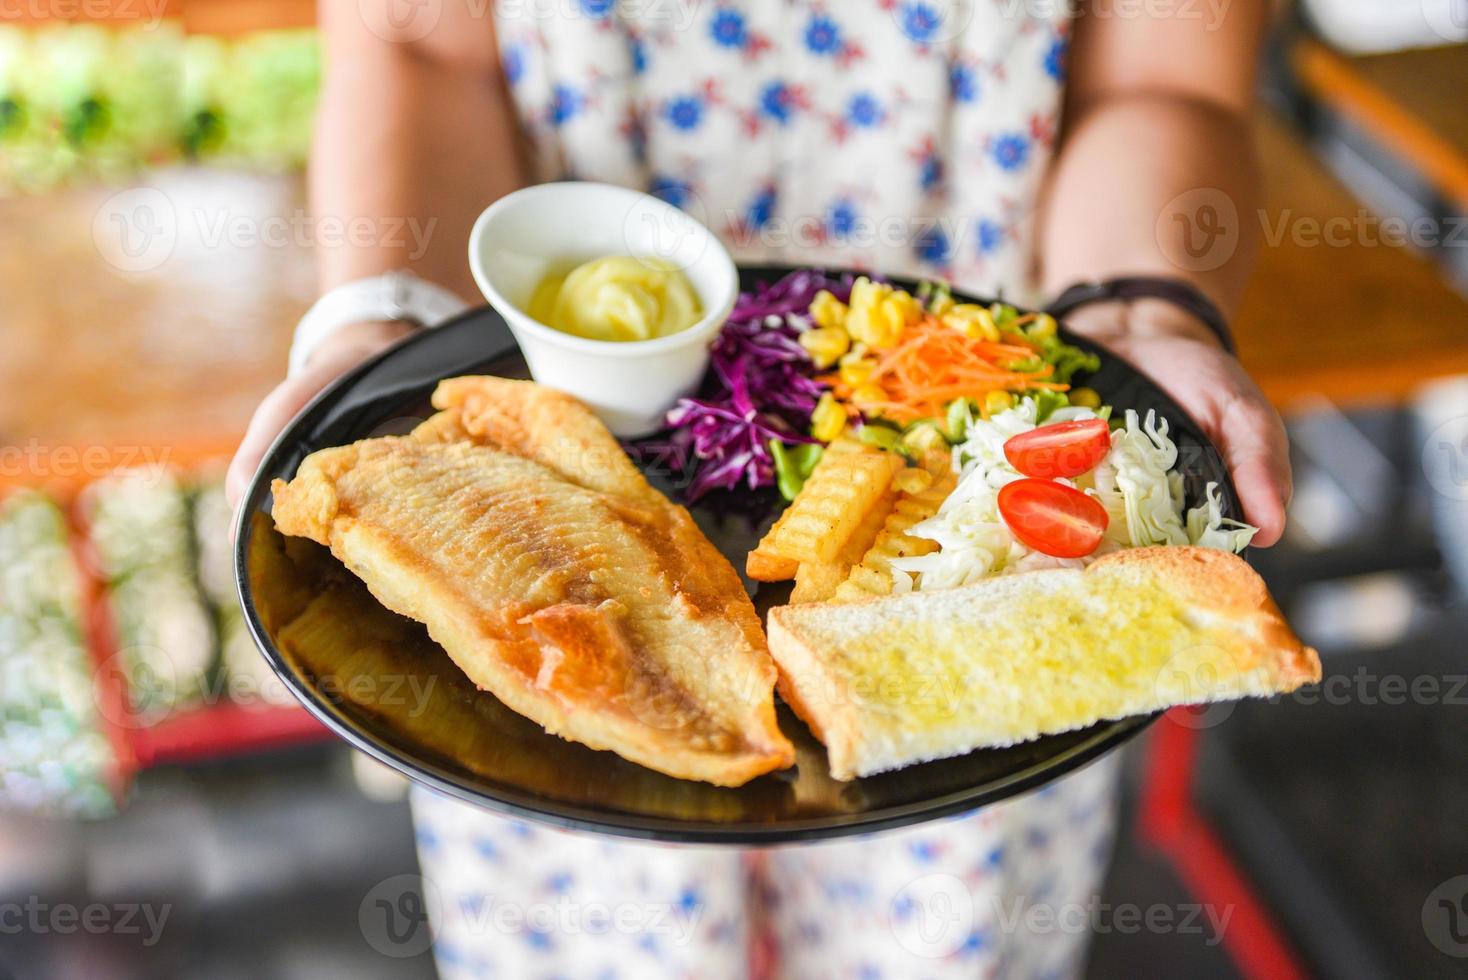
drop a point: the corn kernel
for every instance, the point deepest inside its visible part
(1085, 397)
(923, 439)
(856, 371)
(825, 344)
(997, 401)
(973, 321)
(868, 393)
(878, 313)
(828, 420)
(913, 479)
(827, 310)
(1043, 327)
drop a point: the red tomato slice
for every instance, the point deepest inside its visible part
(1059, 449)
(1052, 518)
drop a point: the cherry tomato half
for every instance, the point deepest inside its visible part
(1059, 449)
(1052, 518)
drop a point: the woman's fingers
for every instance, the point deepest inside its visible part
(277, 409)
(1257, 452)
(1221, 397)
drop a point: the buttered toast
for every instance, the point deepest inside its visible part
(896, 680)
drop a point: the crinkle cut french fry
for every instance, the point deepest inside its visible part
(873, 574)
(818, 581)
(836, 501)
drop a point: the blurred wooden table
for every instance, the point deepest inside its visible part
(1412, 103)
(180, 353)
(167, 345)
(1359, 321)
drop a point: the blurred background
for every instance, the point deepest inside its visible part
(156, 781)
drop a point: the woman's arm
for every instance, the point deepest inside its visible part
(1156, 175)
(413, 139)
(419, 131)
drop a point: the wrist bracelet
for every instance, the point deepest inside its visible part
(1183, 295)
(397, 296)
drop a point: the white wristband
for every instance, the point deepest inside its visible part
(399, 296)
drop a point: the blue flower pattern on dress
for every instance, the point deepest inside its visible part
(864, 111)
(1011, 150)
(778, 102)
(990, 235)
(684, 112)
(727, 29)
(963, 84)
(822, 36)
(512, 63)
(920, 21)
(565, 103)
(1055, 58)
(762, 208)
(671, 189)
(841, 218)
(923, 114)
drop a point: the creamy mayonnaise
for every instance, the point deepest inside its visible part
(617, 298)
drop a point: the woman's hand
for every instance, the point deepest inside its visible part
(1185, 361)
(349, 346)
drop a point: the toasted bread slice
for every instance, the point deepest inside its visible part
(895, 680)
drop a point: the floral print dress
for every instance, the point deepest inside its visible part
(905, 136)
(909, 136)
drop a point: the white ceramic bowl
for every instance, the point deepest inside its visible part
(526, 235)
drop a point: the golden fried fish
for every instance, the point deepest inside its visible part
(555, 576)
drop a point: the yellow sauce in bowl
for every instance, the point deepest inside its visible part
(617, 298)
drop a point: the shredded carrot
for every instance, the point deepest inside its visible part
(934, 364)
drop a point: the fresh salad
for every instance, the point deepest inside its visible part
(1001, 463)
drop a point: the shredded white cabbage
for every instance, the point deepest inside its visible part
(1136, 483)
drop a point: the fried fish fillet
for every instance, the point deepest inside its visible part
(554, 576)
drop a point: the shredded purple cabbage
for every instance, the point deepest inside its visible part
(761, 387)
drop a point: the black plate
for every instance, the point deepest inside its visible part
(378, 680)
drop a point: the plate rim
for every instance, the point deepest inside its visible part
(514, 802)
